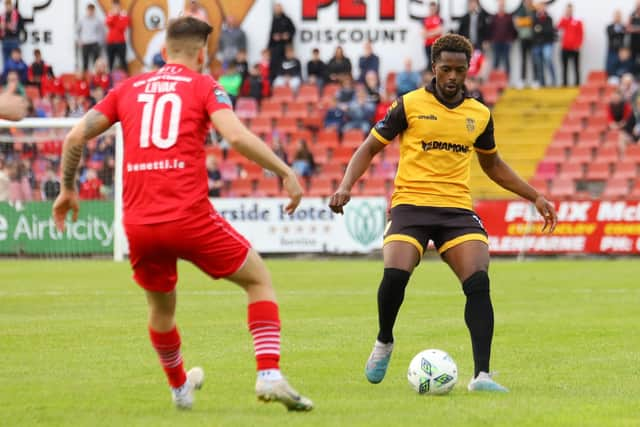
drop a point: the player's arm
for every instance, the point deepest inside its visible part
(394, 122)
(253, 148)
(504, 176)
(91, 125)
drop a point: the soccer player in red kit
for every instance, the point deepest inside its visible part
(165, 115)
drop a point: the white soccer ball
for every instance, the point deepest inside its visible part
(432, 372)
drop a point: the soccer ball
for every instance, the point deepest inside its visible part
(432, 372)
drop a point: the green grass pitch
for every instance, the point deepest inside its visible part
(75, 352)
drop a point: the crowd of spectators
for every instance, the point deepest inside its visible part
(362, 95)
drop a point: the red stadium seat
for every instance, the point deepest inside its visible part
(546, 170)
(555, 155)
(626, 170)
(597, 76)
(390, 83)
(597, 122)
(540, 183)
(269, 187)
(581, 154)
(320, 154)
(589, 138)
(580, 111)
(246, 108)
(287, 125)
(305, 134)
(635, 192)
(297, 110)
(598, 171)
(271, 110)
(563, 188)
(632, 152)
(563, 139)
(607, 153)
(282, 94)
(328, 137)
(330, 90)
(342, 154)
(241, 188)
(253, 170)
(572, 124)
(308, 93)
(571, 170)
(321, 187)
(353, 138)
(616, 188)
(261, 126)
(333, 170)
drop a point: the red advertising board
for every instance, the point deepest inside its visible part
(592, 227)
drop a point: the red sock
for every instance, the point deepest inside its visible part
(167, 345)
(264, 325)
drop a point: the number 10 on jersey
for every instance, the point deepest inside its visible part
(152, 119)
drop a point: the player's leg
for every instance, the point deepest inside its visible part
(469, 260)
(220, 251)
(154, 268)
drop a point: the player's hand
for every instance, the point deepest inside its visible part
(294, 190)
(340, 198)
(65, 202)
(12, 107)
(548, 212)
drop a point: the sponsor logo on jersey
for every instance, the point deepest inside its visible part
(444, 146)
(222, 97)
(471, 124)
(429, 117)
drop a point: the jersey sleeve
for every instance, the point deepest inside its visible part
(215, 96)
(394, 122)
(486, 143)
(109, 106)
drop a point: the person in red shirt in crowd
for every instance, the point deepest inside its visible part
(433, 29)
(101, 76)
(117, 24)
(165, 117)
(38, 69)
(90, 188)
(572, 37)
(80, 86)
(475, 63)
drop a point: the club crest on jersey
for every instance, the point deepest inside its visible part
(222, 97)
(471, 124)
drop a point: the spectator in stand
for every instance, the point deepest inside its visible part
(242, 65)
(255, 83)
(11, 26)
(90, 33)
(90, 189)
(281, 34)
(232, 40)
(290, 72)
(76, 109)
(634, 136)
(407, 79)
(475, 25)
(616, 32)
(503, 32)
(157, 61)
(4, 181)
(195, 10)
(303, 163)
(339, 67)
(13, 84)
(214, 177)
(101, 77)
(50, 185)
(372, 86)
(106, 175)
(472, 85)
(386, 99)
(360, 113)
(544, 35)
(476, 64)
(265, 71)
(335, 116)
(117, 24)
(38, 69)
(231, 81)
(17, 65)
(80, 87)
(623, 65)
(316, 68)
(97, 95)
(523, 20)
(433, 29)
(368, 62)
(628, 88)
(620, 116)
(572, 36)
(19, 185)
(633, 28)
(278, 149)
(347, 93)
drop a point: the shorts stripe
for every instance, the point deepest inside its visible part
(461, 239)
(404, 238)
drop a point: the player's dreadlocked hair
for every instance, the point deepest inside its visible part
(451, 43)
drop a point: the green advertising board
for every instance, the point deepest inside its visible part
(27, 228)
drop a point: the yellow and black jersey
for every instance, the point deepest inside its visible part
(436, 144)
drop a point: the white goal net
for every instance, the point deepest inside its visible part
(30, 154)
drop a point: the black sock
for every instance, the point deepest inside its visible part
(390, 297)
(478, 314)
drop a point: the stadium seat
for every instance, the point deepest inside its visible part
(632, 153)
(597, 76)
(241, 188)
(305, 134)
(269, 187)
(235, 157)
(321, 187)
(353, 138)
(612, 137)
(563, 139)
(375, 187)
(297, 110)
(287, 125)
(571, 170)
(635, 192)
(626, 170)
(607, 153)
(490, 94)
(598, 171)
(390, 83)
(328, 137)
(253, 170)
(581, 154)
(271, 110)
(330, 90)
(246, 108)
(314, 121)
(498, 76)
(308, 93)
(546, 170)
(563, 188)
(342, 154)
(572, 124)
(580, 111)
(555, 155)
(597, 122)
(333, 170)
(320, 154)
(261, 126)
(589, 138)
(282, 94)
(616, 188)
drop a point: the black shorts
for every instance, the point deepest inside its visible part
(446, 227)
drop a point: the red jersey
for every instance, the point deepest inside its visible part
(430, 24)
(572, 33)
(165, 116)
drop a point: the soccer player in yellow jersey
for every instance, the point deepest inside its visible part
(439, 128)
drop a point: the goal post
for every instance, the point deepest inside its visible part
(23, 226)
